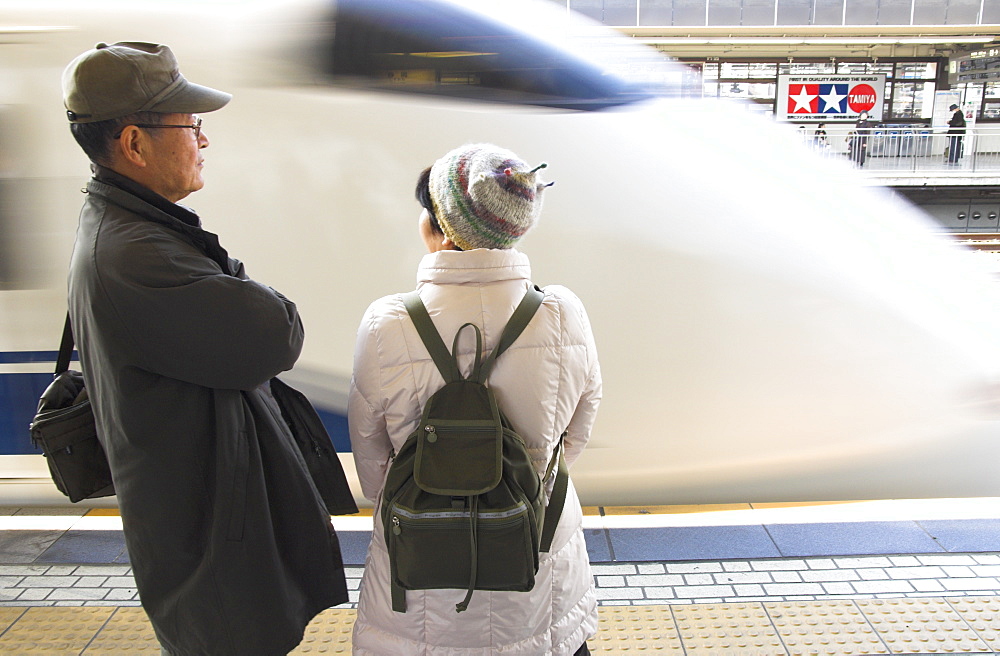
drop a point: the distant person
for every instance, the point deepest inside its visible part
(956, 132)
(819, 136)
(857, 142)
(478, 201)
(231, 546)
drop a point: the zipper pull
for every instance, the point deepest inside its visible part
(431, 433)
(395, 526)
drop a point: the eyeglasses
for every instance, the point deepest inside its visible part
(196, 126)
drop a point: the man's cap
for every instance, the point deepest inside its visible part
(128, 77)
(953, 107)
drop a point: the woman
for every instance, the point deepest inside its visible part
(478, 201)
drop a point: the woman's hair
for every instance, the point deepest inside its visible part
(423, 194)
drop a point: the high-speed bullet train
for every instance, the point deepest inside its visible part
(769, 328)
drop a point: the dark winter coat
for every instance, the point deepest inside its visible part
(232, 549)
(957, 123)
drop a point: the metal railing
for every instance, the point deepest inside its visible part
(911, 148)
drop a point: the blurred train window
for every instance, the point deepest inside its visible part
(9, 189)
(443, 49)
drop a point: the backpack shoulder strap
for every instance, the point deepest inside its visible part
(431, 337)
(558, 499)
(518, 322)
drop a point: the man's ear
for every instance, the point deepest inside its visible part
(131, 146)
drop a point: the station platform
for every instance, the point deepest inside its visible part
(884, 577)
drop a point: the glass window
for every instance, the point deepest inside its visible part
(992, 91)
(416, 46)
(724, 12)
(916, 70)
(657, 12)
(964, 12)
(828, 12)
(865, 68)
(893, 12)
(861, 12)
(807, 68)
(912, 100)
(794, 12)
(747, 70)
(929, 12)
(733, 90)
(687, 12)
(590, 8)
(757, 12)
(991, 101)
(741, 12)
(691, 81)
(991, 13)
(609, 12)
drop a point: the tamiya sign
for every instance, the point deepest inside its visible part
(829, 97)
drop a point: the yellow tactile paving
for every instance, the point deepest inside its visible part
(983, 615)
(921, 626)
(103, 512)
(54, 631)
(969, 625)
(824, 627)
(8, 616)
(127, 632)
(626, 629)
(731, 629)
(328, 633)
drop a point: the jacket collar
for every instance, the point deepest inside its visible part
(181, 213)
(479, 265)
(148, 204)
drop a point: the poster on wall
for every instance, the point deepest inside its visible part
(829, 98)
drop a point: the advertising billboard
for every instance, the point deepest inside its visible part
(829, 98)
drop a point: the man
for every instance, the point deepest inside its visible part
(232, 549)
(955, 131)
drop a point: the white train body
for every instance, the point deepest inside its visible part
(769, 329)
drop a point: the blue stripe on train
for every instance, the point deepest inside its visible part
(19, 398)
(17, 357)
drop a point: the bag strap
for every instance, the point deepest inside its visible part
(65, 347)
(430, 337)
(518, 322)
(558, 499)
(446, 361)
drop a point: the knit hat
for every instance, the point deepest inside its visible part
(485, 196)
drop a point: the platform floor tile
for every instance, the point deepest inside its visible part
(824, 627)
(933, 625)
(54, 631)
(126, 632)
(328, 633)
(732, 629)
(636, 628)
(983, 615)
(923, 626)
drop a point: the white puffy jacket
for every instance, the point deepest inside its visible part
(548, 382)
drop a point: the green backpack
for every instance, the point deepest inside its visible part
(463, 507)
